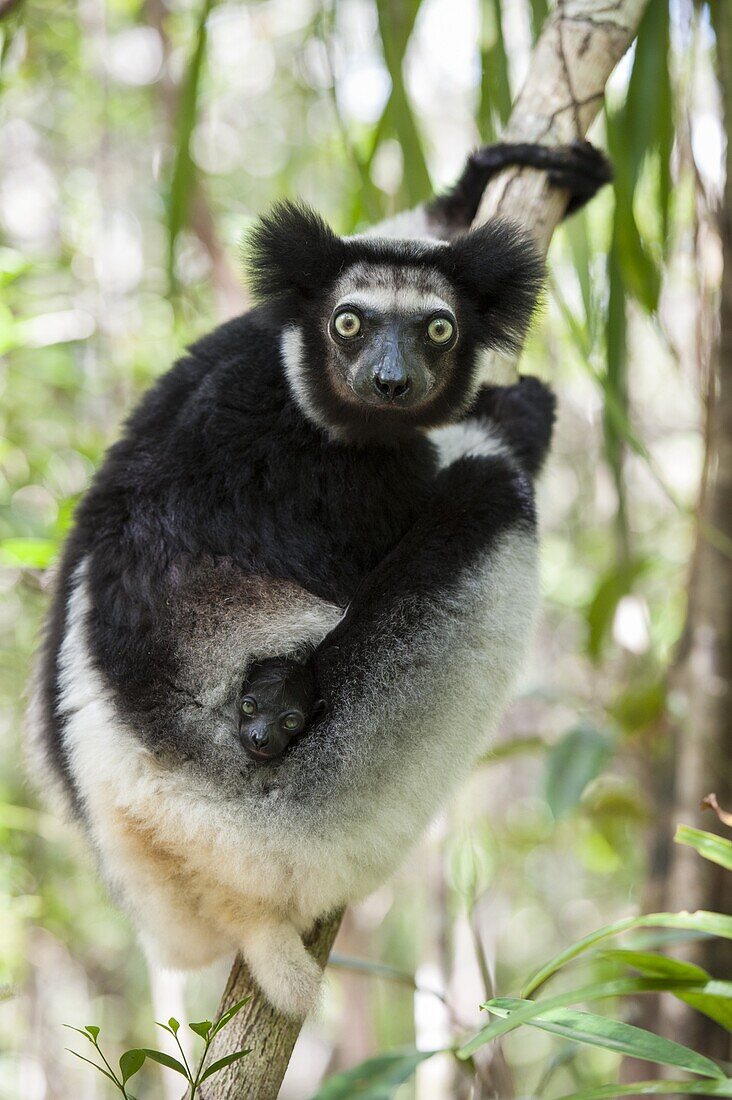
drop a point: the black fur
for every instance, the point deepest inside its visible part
(219, 471)
(524, 415)
(294, 258)
(496, 272)
(578, 168)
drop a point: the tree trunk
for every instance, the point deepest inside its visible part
(578, 48)
(259, 1027)
(703, 752)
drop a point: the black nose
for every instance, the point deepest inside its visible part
(259, 737)
(390, 386)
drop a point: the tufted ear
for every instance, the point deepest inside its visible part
(292, 251)
(500, 269)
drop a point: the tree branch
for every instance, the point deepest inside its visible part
(260, 1027)
(577, 50)
(579, 46)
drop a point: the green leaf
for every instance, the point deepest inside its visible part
(616, 389)
(517, 747)
(634, 264)
(714, 924)
(711, 1004)
(376, 1079)
(166, 1060)
(616, 583)
(27, 553)
(202, 1028)
(130, 1063)
(184, 175)
(576, 231)
(529, 1010)
(90, 1063)
(639, 705)
(657, 966)
(173, 1025)
(712, 847)
(575, 760)
(84, 1032)
(396, 23)
(92, 1030)
(226, 1061)
(633, 1042)
(722, 1087)
(495, 89)
(648, 114)
(539, 12)
(714, 1000)
(228, 1016)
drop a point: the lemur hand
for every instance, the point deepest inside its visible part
(524, 415)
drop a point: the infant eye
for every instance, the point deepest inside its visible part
(440, 330)
(347, 324)
(248, 706)
(292, 722)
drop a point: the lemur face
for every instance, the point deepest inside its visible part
(381, 336)
(278, 700)
(393, 335)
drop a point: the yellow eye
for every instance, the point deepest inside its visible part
(292, 722)
(248, 706)
(440, 330)
(347, 324)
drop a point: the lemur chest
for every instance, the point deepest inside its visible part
(325, 521)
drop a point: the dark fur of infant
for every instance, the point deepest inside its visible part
(279, 700)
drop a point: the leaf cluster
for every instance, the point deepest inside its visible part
(132, 1061)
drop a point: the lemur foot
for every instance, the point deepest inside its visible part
(579, 167)
(524, 415)
(288, 975)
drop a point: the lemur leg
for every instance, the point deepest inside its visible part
(579, 168)
(281, 964)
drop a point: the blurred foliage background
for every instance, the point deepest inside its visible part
(137, 142)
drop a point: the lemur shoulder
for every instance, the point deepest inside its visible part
(322, 480)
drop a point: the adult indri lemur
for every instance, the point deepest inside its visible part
(320, 479)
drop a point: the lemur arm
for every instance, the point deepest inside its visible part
(426, 654)
(579, 168)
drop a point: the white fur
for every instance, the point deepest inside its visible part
(413, 225)
(400, 299)
(292, 357)
(203, 875)
(469, 439)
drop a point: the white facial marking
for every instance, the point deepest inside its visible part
(291, 347)
(398, 299)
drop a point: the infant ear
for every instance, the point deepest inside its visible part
(501, 269)
(292, 251)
